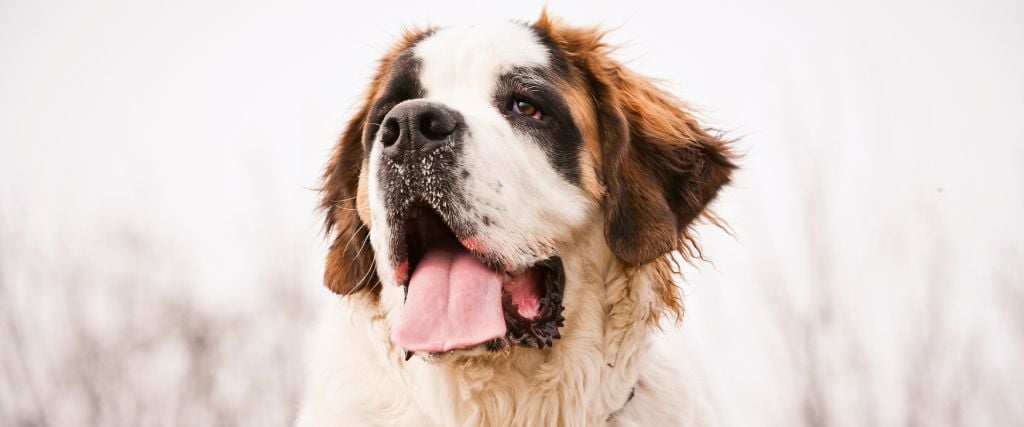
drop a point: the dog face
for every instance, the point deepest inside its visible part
(477, 156)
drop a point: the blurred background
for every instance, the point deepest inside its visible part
(160, 255)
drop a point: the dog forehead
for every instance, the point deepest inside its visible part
(468, 59)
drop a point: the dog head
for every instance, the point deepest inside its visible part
(477, 157)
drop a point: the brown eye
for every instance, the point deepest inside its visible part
(525, 108)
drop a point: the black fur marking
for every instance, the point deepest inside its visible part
(555, 132)
(403, 84)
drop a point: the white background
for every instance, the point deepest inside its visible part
(159, 251)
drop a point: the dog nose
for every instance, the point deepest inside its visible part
(413, 125)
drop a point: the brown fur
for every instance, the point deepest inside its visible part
(350, 259)
(660, 168)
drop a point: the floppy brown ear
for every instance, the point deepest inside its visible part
(660, 166)
(349, 265)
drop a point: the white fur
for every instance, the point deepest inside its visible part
(510, 178)
(358, 377)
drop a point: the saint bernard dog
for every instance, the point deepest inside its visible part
(506, 211)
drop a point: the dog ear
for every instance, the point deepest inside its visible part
(660, 166)
(349, 265)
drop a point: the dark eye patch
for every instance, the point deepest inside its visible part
(403, 84)
(527, 85)
(556, 132)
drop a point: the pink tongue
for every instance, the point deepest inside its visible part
(454, 301)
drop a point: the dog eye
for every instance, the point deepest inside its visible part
(525, 108)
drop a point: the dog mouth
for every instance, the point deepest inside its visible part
(458, 296)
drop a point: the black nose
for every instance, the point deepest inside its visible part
(417, 124)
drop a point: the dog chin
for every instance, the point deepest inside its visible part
(481, 351)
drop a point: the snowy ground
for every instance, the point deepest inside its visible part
(160, 255)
